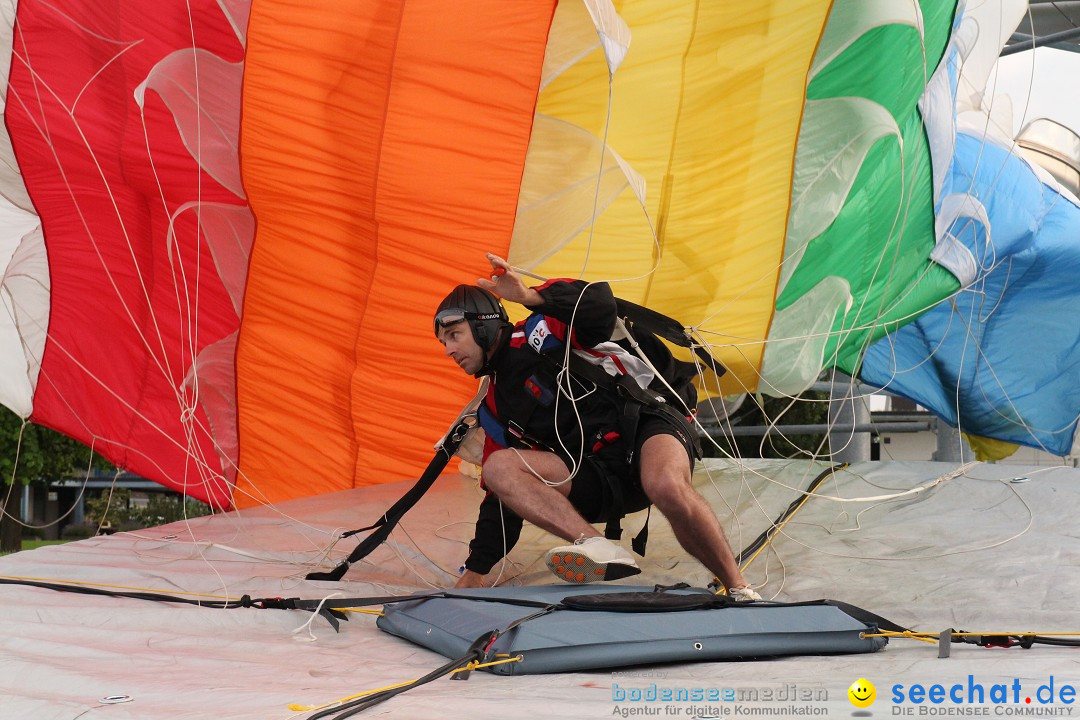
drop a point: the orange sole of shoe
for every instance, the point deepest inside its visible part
(574, 567)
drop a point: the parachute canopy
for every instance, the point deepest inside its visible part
(227, 224)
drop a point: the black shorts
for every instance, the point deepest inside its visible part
(588, 489)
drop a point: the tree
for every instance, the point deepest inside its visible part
(113, 509)
(41, 454)
(810, 408)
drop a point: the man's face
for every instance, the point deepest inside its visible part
(461, 347)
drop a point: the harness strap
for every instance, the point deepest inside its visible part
(642, 538)
(636, 401)
(668, 328)
(612, 507)
(506, 433)
(389, 520)
(640, 400)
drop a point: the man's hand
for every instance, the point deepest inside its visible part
(470, 579)
(507, 284)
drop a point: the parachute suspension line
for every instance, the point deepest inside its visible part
(1017, 418)
(190, 310)
(14, 469)
(193, 312)
(596, 199)
(913, 491)
(127, 310)
(700, 369)
(908, 181)
(896, 234)
(668, 182)
(265, 558)
(18, 454)
(750, 553)
(532, 471)
(410, 565)
(307, 626)
(187, 406)
(43, 131)
(935, 556)
(108, 502)
(504, 561)
(66, 513)
(599, 174)
(796, 504)
(831, 473)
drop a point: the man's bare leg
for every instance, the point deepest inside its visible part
(513, 477)
(666, 479)
(507, 473)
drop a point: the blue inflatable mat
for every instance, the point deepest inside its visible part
(569, 639)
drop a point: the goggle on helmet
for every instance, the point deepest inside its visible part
(476, 306)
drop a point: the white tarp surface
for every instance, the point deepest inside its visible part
(976, 552)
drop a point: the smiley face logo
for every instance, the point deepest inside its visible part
(862, 693)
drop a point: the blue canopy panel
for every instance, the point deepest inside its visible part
(1000, 359)
(567, 639)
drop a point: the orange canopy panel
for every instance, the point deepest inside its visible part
(382, 148)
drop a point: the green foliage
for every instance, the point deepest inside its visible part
(811, 408)
(33, 453)
(118, 512)
(114, 507)
(41, 453)
(164, 509)
(74, 532)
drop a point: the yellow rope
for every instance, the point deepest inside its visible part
(1026, 632)
(925, 635)
(922, 637)
(473, 665)
(368, 611)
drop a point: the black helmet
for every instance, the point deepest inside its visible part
(483, 311)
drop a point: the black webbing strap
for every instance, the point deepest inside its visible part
(667, 328)
(642, 538)
(385, 524)
(612, 507)
(639, 399)
(647, 601)
(865, 616)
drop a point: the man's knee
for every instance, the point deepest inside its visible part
(510, 466)
(499, 466)
(666, 489)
